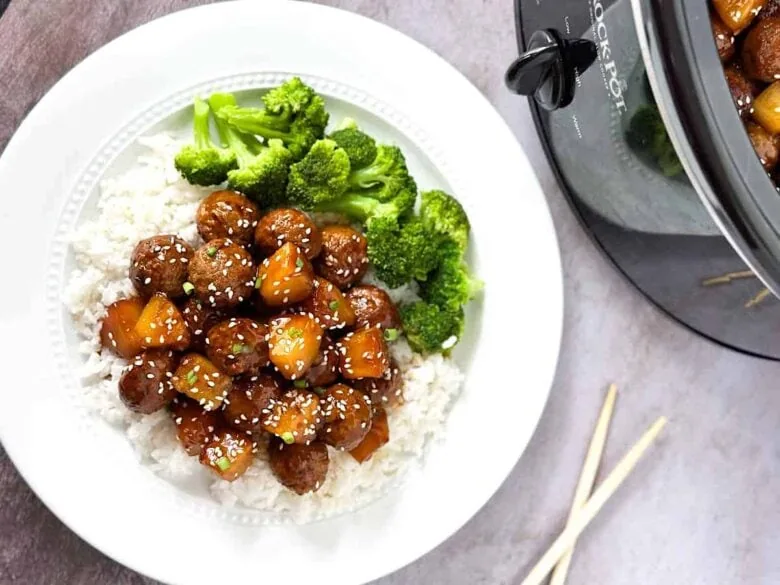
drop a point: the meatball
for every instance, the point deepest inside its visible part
(347, 414)
(227, 214)
(325, 369)
(373, 307)
(194, 425)
(223, 273)
(724, 38)
(761, 51)
(160, 264)
(250, 401)
(228, 454)
(770, 10)
(200, 318)
(281, 226)
(145, 386)
(343, 260)
(765, 144)
(301, 468)
(295, 417)
(238, 346)
(743, 91)
(387, 390)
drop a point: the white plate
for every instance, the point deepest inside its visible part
(85, 472)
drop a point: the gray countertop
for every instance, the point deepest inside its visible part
(701, 509)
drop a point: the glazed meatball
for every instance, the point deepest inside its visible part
(325, 369)
(724, 38)
(145, 386)
(295, 417)
(281, 226)
(343, 260)
(238, 346)
(194, 425)
(160, 264)
(250, 400)
(761, 51)
(387, 390)
(347, 414)
(200, 318)
(223, 273)
(765, 144)
(227, 214)
(373, 307)
(228, 454)
(328, 305)
(301, 468)
(743, 91)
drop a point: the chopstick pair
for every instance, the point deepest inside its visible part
(585, 506)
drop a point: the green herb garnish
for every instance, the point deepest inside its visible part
(212, 251)
(391, 334)
(223, 463)
(188, 288)
(258, 282)
(294, 333)
(299, 262)
(319, 390)
(192, 377)
(300, 383)
(239, 348)
(334, 305)
(287, 437)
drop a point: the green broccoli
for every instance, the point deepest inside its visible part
(203, 162)
(359, 146)
(647, 135)
(385, 176)
(401, 253)
(320, 177)
(431, 329)
(444, 215)
(262, 168)
(451, 285)
(293, 113)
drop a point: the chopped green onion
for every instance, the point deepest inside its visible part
(319, 390)
(192, 377)
(299, 262)
(239, 348)
(258, 282)
(295, 333)
(287, 437)
(300, 383)
(334, 305)
(212, 251)
(391, 334)
(223, 463)
(188, 288)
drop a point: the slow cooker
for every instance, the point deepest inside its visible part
(695, 228)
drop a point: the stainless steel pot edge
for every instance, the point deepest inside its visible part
(648, 37)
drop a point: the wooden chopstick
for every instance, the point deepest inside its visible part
(587, 478)
(613, 481)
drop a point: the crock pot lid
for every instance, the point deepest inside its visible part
(692, 94)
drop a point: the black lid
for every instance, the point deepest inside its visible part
(687, 78)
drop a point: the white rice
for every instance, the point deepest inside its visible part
(151, 199)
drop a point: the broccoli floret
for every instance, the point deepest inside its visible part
(262, 168)
(203, 162)
(359, 146)
(647, 134)
(451, 285)
(293, 113)
(385, 176)
(444, 215)
(431, 329)
(401, 253)
(320, 177)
